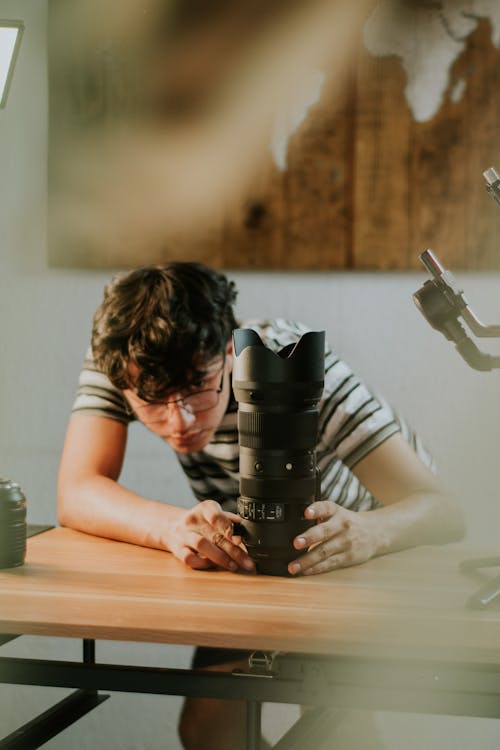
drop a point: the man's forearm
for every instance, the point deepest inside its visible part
(101, 506)
(421, 518)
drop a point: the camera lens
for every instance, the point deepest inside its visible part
(277, 394)
(12, 524)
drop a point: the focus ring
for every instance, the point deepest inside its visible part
(282, 431)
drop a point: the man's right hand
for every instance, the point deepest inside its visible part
(202, 537)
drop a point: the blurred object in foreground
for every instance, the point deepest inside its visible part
(162, 115)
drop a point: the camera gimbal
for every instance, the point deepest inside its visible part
(442, 303)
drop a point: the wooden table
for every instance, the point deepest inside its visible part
(391, 634)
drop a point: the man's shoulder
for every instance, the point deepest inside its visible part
(97, 396)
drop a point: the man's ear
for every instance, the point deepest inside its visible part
(230, 353)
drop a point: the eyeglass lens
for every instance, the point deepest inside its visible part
(192, 402)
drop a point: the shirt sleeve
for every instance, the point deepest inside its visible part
(97, 396)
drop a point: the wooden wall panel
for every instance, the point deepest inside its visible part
(419, 184)
(366, 186)
(382, 156)
(438, 185)
(482, 150)
(450, 209)
(301, 217)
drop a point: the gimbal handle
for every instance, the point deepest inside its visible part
(442, 303)
(448, 281)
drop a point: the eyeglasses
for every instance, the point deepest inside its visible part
(193, 403)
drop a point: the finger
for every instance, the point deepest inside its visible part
(326, 566)
(218, 532)
(221, 520)
(234, 517)
(321, 532)
(322, 510)
(227, 542)
(235, 552)
(212, 552)
(193, 560)
(331, 554)
(222, 552)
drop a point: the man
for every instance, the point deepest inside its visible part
(162, 354)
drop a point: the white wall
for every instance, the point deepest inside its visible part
(44, 327)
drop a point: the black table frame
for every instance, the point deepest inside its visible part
(330, 684)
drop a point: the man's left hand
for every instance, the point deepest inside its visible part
(340, 538)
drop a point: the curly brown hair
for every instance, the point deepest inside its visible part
(165, 323)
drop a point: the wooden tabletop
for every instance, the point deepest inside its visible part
(410, 603)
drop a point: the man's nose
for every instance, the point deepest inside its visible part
(180, 417)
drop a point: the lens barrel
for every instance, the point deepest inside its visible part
(277, 396)
(12, 524)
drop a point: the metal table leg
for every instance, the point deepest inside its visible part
(254, 710)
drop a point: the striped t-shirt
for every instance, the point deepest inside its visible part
(352, 422)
